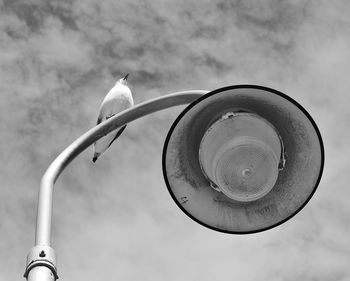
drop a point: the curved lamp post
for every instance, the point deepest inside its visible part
(239, 159)
(41, 260)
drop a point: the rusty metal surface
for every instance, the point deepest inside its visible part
(295, 184)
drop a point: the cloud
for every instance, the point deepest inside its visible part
(57, 61)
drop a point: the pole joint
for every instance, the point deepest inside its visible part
(41, 256)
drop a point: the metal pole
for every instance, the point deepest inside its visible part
(41, 273)
(41, 260)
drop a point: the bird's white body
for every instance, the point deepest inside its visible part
(119, 98)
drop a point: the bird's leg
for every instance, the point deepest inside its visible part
(109, 116)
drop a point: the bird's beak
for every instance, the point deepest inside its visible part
(126, 77)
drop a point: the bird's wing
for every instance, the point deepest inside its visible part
(118, 99)
(99, 119)
(108, 109)
(117, 135)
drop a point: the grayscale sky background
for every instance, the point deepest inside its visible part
(115, 220)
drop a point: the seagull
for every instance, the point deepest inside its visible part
(119, 98)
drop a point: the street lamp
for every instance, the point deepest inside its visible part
(239, 159)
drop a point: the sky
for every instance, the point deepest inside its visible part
(115, 219)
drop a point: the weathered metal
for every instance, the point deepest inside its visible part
(299, 172)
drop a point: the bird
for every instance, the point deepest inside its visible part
(118, 99)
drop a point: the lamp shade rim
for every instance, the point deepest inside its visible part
(252, 87)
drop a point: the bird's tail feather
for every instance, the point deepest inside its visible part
(96, 155)
(104, 145)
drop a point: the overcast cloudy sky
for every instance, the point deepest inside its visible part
(115, 219)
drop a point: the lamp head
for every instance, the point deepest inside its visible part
(243, 159)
